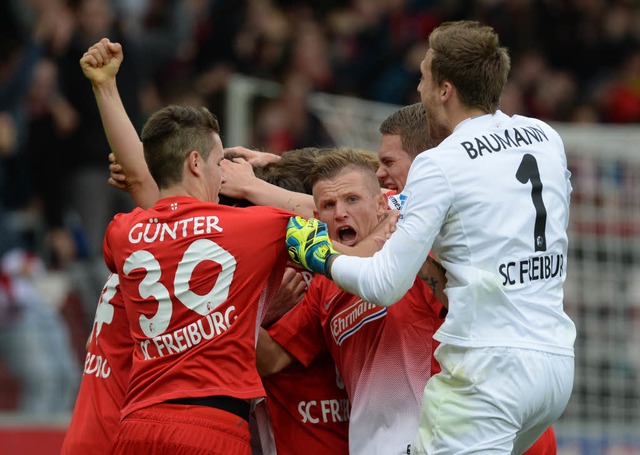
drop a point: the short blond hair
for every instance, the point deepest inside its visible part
(338, 160)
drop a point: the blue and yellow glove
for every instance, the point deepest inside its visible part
(309, 244)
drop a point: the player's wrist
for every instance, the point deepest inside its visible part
(255, 190)
(328, 263)
(105, 88)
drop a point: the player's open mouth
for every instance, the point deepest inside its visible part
(347, 235)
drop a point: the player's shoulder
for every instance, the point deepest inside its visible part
(123, 220)
(322, 290)
(133, 214)
(323, 283)
(320, 286)
(534, 122)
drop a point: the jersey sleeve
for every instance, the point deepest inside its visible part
(300, 330)
(107, 250)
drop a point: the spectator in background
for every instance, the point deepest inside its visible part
(621, 97)
(286, 123)
(34, 339)
(633, 292)
(50, 118)
(35, 344)
(157, 33)
(85, 146)
(18, 61)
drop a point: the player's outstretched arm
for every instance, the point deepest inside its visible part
(242, 183)
(270, 356)
(100, 64)
(431, 272)
(310, 247)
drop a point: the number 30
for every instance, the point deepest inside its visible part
(150, 286)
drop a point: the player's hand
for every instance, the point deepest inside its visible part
(291, 291)
(386, 226)
(117, 177)
(309, 244)
(255, 157)
(102, 61)
(239, 177)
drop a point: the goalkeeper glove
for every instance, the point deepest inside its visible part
(309, 245)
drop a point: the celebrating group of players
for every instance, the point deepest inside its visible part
(178, 361)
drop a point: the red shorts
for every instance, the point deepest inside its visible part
(177, 429)
(545, 445)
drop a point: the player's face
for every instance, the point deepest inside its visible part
(350, 204)
(394, 163)
(430, 97)
(425, 78)
(213, 176)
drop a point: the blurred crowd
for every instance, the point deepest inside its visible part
(572, 61)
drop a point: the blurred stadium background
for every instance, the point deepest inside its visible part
(283, 74)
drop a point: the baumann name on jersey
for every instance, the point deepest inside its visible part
(515, 137)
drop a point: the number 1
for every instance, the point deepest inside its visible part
(528, 172)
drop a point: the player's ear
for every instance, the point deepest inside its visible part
(194, 162)
(446, 90)
(381, 204)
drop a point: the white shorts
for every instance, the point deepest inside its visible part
(496, 400)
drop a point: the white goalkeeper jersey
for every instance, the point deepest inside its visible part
(492, 203)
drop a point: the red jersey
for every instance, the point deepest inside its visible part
(105, 378)
(309, 408)
(545, 445)
(384, 356)
(195, 276)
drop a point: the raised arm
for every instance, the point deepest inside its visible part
(100, 64)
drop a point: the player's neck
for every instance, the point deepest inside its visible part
(173, 191)
(462, 114)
